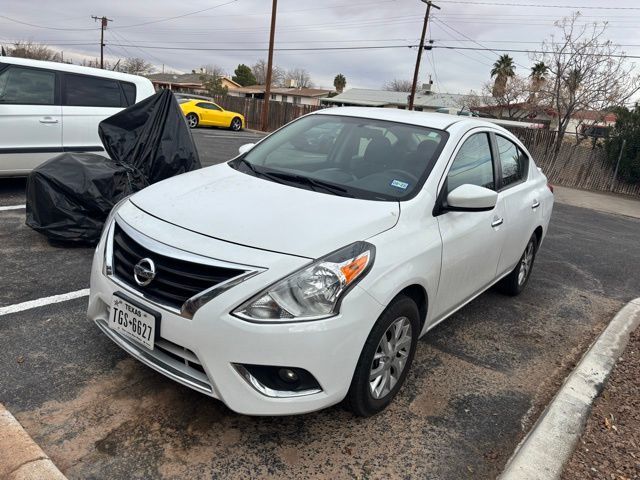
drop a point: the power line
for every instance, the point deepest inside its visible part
(178, 16)
(546, 5)
(47, 28)
(306, 49)
(513, 50)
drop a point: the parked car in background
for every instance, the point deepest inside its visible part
(48, 108)
(208, 114)
(303, 271)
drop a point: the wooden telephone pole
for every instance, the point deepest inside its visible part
(267, 87)
(412, 97)
(103, 25)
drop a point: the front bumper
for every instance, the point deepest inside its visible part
(201, 352)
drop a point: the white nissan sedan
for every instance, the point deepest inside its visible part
(303, 272)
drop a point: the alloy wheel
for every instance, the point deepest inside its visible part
(192, 120)
(390, 358)
(236, 124)
(525, 264)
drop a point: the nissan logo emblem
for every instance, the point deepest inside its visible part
(144, 272)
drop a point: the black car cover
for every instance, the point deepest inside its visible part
(70, 196)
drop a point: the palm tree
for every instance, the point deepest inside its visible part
(573, 80)
(538, 78)
(340, 82)
(503, 69)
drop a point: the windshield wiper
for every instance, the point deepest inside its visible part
(312, 182)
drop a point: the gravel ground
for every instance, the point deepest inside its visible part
(610, 445)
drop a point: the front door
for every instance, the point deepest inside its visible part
(30, 118)
(471, 241)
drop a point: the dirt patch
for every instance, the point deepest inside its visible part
(610, 445)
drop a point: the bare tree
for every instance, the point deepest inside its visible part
(398, 85)
(259, 70)
(300, 76)
(35, 51)
(137, 66)
(586, 72)
(513, 100)
(212, 70)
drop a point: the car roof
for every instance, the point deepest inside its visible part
(439, 121)
(67, 67)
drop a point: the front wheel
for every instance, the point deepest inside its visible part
(385, 358)
(514, 283)
(236, 124)
(192, 120)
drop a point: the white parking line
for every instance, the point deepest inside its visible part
(19, 307)
(12, 207)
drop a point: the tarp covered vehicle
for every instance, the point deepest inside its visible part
(70, 196)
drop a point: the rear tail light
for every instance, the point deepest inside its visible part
(550, 187)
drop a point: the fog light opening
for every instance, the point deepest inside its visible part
(288, 375)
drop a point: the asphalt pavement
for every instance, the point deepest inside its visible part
(478, 382)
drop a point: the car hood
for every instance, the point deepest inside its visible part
(223, 203)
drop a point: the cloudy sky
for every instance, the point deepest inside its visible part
(229, 32)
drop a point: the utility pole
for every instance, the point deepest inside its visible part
(420, 48)
(267, 88)
(103, 25)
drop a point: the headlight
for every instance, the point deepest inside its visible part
(313, 292)
(106, 253)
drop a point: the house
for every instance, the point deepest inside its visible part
(425, 99)
(295, 95)
(578, 123)
(186, 82)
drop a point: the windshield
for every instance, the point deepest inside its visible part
(348, 156)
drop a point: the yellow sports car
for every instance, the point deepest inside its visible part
(201, 112)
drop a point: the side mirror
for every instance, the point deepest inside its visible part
(245, 148)
(471, 198)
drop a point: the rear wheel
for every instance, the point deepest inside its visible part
(385, 358)
(236, 124)
(514, 283)
(192, 120)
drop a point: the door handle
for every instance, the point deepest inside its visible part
(48, 120)
(535, 205)
(497, 222)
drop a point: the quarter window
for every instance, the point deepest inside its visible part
(473, 164)
(513, 160)
(26, 86)
(85, 91)
(129, 90)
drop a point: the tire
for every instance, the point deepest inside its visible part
(236, 124)
(400, 314)
(514, 283)
(192, 120)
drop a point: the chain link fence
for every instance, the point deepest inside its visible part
(578, 164)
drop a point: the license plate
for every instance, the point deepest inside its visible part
(133, 322)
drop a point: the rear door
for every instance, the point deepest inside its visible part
(30, 118)
(471, 241)
(86, 101)
(520, 198)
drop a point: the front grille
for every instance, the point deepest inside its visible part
(175, 281)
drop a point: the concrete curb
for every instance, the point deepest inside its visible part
(20, 457)
(547, 448)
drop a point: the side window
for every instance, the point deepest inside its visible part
(129, 90)
(26, 86)
(208, 106)
(514, 161)
(85, 91)
(472, 164)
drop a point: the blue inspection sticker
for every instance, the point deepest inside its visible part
(399, 184)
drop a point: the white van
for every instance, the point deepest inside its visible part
(47, 108)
